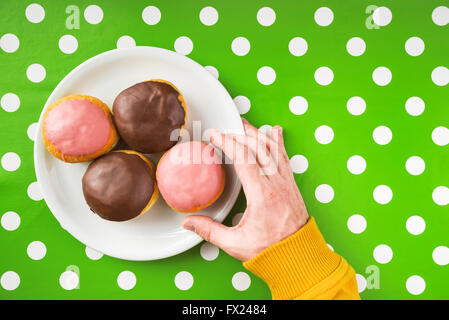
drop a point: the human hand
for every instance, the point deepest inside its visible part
(275, 208)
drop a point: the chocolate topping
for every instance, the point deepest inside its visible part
(146, 114)
(118, 186)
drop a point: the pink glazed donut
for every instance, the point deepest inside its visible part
(190, 176)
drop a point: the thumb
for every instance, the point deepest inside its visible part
(208, 229)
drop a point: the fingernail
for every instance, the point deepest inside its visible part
(188, 226)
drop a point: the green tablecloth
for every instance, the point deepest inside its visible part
(36, 55)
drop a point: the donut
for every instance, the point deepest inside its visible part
(150, 115)
(120, 185)
(78, 128)
(190, 176)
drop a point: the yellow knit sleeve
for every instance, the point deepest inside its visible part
(303, 267)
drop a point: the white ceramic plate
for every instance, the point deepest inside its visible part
(158, 233)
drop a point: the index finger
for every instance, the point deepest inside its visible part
(244, 161)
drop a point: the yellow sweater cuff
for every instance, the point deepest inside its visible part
(296, 264)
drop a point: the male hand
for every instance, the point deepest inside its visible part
(275, 208)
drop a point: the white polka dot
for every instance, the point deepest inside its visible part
(440, 76)
(9, 42)
(36, 250)
(330, 247)
(184, 280)
(151, 15)
(324, 193)
(68, 44)
(298, 105)
(10, 161)
(361, 282)
(35, 13)
(208, 16)
(324, 134)
(441, 255)
(32, 130)
(209, 252)
(298, 46)
(415, 285)
(213, 71)
(241, 281)
(126, 280)
(440, 136)
(36, 72)
(440, 15)
(10, 221)
(266, 75)
(356, 106)
(440, 195)
(415, 165)
(356, 223)
(125, 42)
(415, 106)
(34, 191)
(299, 163)
(240, 46)
(382, 135)
(93, 14)
(93, 254)
(382, 194)
(266, 129)
(415, 225)
(414, 46)
(243, 104)
(183, 45)
(382, 16)
(383, 253)
(324, 76)
(356, 164)
(382, 76)
(69, 280)
(324, 16)
(266, 16)
(237, 218)
(10, 102)
(356, 46)
(10, 280)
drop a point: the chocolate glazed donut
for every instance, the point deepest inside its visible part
(119, 186)
(147, 113)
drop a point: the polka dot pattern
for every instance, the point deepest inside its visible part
(125, 42)
(209, 252)
(299, 163)
(36, 73)
(243, 104)
(383, 254)
(315, 89)
(10, 102)
(35, 13)
(10, 280)
(184, 280)
(10, 221)
(241, 281)
(266, 16)
(93, 14)
(68, 44)
(9, 43)
(36, 250)
(266, 75)
(183, 45)
(209, 16)
(69, 280)
(126, 280)
(151, 15)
